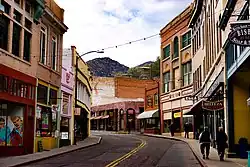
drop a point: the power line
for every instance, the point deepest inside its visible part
(128, 43)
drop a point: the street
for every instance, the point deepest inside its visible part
(154, 152)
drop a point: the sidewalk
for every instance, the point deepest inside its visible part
(26, 159)
(213, 158)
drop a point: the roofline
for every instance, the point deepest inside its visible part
(196, 11)
(186, 9)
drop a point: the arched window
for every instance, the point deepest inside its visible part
(176, 47)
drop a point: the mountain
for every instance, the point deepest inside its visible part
(145, 64)
(106, 67)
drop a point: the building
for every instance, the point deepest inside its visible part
(117, 102)
(150, 118)
(83, 93)
(236, 72)
(67, 98)
(208, 67)
(24, 67)
(176, 71)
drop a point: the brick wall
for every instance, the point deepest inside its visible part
(151, 92)
(131, 88)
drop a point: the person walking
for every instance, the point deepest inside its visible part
(221, 141)
(171, 128)
(205, 140)
(186, 130)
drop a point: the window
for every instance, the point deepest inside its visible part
(17, 1)
(176, 47)
(54, 53)
(16, 39)
(156, 99)
(28, 24)
(44, 126)
(26, 49)
(42, 94)
(53, 96)
(66, 101)
(166, 52)
(43, 45)
(186, 39)
(11, 125)
(4, 29)
(17, 16)
(28, 7)
(166, 80)
(187, 74)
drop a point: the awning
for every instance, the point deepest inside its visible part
(191, 111)
(105, 117)
(148, 114)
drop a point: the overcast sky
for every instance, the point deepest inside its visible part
(96, 24)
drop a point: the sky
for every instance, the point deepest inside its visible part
(97, 24)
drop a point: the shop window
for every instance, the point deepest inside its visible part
(53, 96)
(151, 123)
(65, 107)
(42, 94)
(54, 53)
(44, 126)
(16, 39)
(26, 49)
(4, 29)
(11, 125)
(3, 83)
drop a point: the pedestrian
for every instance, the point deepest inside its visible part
(221, 141)
(186, 130)
(205, 140)
(171, 128)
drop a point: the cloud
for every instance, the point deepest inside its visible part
(97, 24)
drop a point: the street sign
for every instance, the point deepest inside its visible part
(240, 33)
(212, 105)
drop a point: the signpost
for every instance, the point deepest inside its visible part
(240, 33)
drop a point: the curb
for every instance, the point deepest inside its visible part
(201, 162)
(55, 155)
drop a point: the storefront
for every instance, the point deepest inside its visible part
(81, 123)
(149, 121)
(47, 113)
(17, 103)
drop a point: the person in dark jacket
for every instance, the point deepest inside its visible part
(186, 129)
(221, 141)
(205, 140)
(171, 128)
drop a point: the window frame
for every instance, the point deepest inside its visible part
(186, 42)
(54, 52)
(167, 74)
(164, 51)
(187, 73)
(176, 48)
(43, 31)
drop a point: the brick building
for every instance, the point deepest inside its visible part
(26, 29)
(122, 103)
(150, 118)
(176, 70)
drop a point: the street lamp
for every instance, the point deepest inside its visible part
(77, 58)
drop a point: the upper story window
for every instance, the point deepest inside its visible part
(186, 39)
(166, 52)
(43, 45)
(4, 29)
(28, 7)
(54, 53)
(156, 99)
(176, 47)
(166, 82)
(187, 73)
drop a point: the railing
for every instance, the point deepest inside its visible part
(59, 12)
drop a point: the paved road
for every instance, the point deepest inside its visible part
(156, 152)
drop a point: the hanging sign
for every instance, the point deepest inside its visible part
(212, 105)
(240, 33)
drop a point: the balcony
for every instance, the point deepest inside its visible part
(59, 12)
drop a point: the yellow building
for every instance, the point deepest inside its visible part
(82, 99)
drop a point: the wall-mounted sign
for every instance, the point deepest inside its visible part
(177, 115)
(240, 33)
(77, 111)
(213, 105)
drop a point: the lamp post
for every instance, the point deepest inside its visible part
(76, 69)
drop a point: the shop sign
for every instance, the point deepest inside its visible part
(212, 106)
(177, 115)
(77, 111)
(240, 33)
(64, 135)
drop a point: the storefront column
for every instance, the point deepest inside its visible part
(118, 120)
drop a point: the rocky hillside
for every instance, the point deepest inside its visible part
(145, 64)
(106, 67)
